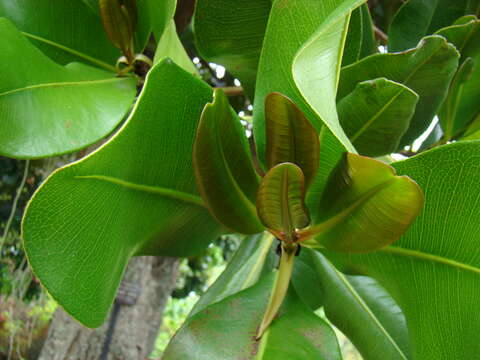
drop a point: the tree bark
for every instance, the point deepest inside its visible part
(136, 326)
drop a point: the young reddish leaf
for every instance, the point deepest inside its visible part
(119, 22)
(280, 200)
(366, 207)
(224, 171)
(290, 136)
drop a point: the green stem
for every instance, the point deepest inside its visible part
(280, 287)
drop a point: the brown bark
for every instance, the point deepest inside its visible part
(136, 326)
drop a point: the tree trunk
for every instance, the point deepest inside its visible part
(136, 326)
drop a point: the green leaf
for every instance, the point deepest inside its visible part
(287, 66)
(453, 123)
(374, 322)
(171, 47)
(365, 207)
(224, 170)
(231, 33)
(290, 136)
(253, 259)
(306, 282)
(417, 18)
(47, 109)
(226, 331)
(85, 222)
(158, 13)
(461, 104)
(280, 199)
(464, 34)
(427, 70)
(376, 115)
(433, 272)
(473, 131)
(468, 106)
(81, 38)
(360, 41)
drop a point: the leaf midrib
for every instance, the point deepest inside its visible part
(61, 84)
(367, 309)
(394, 250)
(165, 192)
(91, 59)
(384, 108)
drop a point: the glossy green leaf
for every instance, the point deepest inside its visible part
(253, 259)
(283, 63)
(306, 282)
(226, 331)
(427, 70)
(468, 106)
(464, 34)
(452, 123)
(461, 104)
(376, 115)
(81, 38)
(40, 111)
(360, 41)
(88, 218)
(433, 272)
(328, 40)
(171, 47)
(473, 131)
(160, 13)
(231, 33)
(365, 206)
(290, 136)
(280, 199)
(418, 18)
(373, 321)
(223, 166)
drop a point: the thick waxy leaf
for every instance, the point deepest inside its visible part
(275, 74)
(464, 34)
(226, 331)
(468, 106)
(224, 171)
(452, 123)
(290, 136)
(473, 131)
(159, 14)
(376, 115)
(47, 109)
(365, 206)
(417, 18)
(64, 30)
(373, 322)
(280, 199)
(427, 70)
(433, 272)
(461, 104)
(303, 78)
(171, 47)
(306, 282)
(254, 258)
(90, 217)
(360, 41)
(119, 23)
(231, 33)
